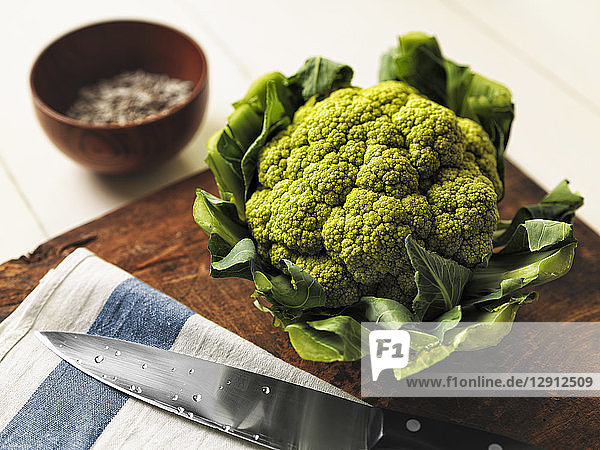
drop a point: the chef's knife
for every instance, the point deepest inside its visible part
(254, 407)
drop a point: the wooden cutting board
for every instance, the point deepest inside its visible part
(156, 239)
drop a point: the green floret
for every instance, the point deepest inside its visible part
(433, 137)
(483, 150)
(465, 215)
(356, 173)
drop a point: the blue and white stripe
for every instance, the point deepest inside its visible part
(133, 312)
(47, 404)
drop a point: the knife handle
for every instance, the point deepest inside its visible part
(406, 431)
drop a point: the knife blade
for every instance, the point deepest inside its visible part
(266, 411)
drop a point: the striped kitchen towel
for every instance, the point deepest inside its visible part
(46, 403)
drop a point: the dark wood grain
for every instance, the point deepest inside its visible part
(156, 239)
(103, 50)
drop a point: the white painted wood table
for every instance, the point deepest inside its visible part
(547, 52)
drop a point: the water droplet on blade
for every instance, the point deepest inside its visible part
(181, 410)
(228, 381)
(190, 415)
(144, 366)
(99, 358)
(106, 347)
(117, 352)
(227, 428)
(172, 369)
(256, 437)
(220, 388)
(132, 387)
(138, 389)
(197, 397)
(266, 389)
(192, 371)
(175, 397)
(103, 375)
(114, 378)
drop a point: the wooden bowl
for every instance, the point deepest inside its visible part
(103, 50)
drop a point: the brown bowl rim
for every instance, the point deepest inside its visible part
(198, 87)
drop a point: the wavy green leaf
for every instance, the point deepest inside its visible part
(333, 339)
(538, 252)
(559, 204)
(481, 329)
(218, 247)
(274, 119)
(417, 61)
(320, 77)
(257, 94)
(228, 146)
(294, 289)
(218, 216)
(227, 170)
(440, 281)
(389, 313)
(238, 263)
(421, 339)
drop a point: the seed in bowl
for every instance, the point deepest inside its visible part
(128, 97)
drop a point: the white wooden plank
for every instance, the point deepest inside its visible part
(561, 40)
(19, 229)
(245, 39)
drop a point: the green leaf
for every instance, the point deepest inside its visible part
(245, 126)
(536, 235)
(257, 93)
(246, 122)
(237, 263)
(538, 252)
(296, 289)
(217, 216)
(320, 77)
(420, 339)
(487, 102)
(274, 119)
(390, 313)
(480, 311)
(333, 339)
(447, 321)
(560, 204)
(419, 62)
(218, 247)
(440, 281)
(227, 169)
(481, 329)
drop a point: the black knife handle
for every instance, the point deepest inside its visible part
(406, 431)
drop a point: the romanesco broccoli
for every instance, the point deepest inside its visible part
(354, 174)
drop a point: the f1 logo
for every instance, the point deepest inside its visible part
(389, 349)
